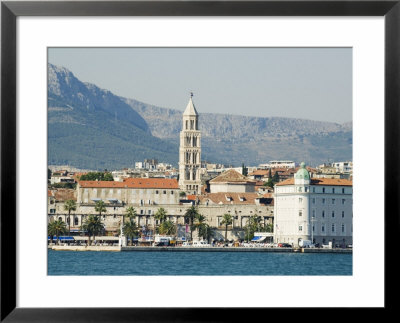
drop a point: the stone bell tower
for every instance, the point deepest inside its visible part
(190, 151)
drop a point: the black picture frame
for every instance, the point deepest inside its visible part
(10, 10)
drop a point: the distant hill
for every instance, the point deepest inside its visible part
(92, 128)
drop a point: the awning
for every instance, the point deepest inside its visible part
(258, 239)
(96, 200)
(113, 200)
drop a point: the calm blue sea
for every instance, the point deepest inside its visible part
(197, 263)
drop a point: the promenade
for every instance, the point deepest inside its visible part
(198, 249)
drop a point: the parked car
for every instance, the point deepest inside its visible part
(349, 246)
(284, 245)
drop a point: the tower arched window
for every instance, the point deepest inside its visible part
(187, 123)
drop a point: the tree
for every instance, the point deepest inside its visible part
(69, 206)
(275, 178)
(244, 170)
(226, 220)
(93, 226)
(252, 226)
(96, 176)
(130, 230)
(269, 227)
(161, 215)
(100, 207)
(48, 173)
(203, 228)
(56, 228)
(182, 194)
(269, 174)
(167, 227)
(130, 212)
(190, 216)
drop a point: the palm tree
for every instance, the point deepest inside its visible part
(93, 226)
(203, 228)
(161, 215)
(130, 230)
(226, 220)
(200, 221)
(100, 207)
(56, 228)
(69, 206)
(167, 227)
(130, 212)
(190, 215)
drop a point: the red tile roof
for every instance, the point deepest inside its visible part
(221, 198)
(231, 176)
(260, 172)
(321, 181)
(63, 194)
(133, 183)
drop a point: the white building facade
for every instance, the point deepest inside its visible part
(190, 151)
(320, 210)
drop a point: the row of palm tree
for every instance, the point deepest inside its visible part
(195, 220)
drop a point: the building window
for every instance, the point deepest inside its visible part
(323, 190)
(300, 200)
(323, 228)
(343, 201)
(76, 220)
(333, 190)
(300, 228)
(333, 214)
(300, 213)
(342, 190)
(343, 228)
(306, 189)
(141, 211)
(333, 227)
(333, 201)
(149, 211)
(164, 192)
(342, 214)
(313, 228)
(313, 200)
(323, 201)
(313, 213)
(172, 192)
(323, 214)
(156, 192)
(313, 189)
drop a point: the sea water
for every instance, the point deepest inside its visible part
(145, 263)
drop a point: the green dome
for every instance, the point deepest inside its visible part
(302, 173)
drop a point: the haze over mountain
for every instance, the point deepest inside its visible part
(92, 128)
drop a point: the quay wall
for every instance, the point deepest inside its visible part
(233, 249)
(86, 248)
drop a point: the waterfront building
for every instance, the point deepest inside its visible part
(241, 206)
(307, 208)
(190, 151)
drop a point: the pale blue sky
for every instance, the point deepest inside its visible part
(309, 83)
